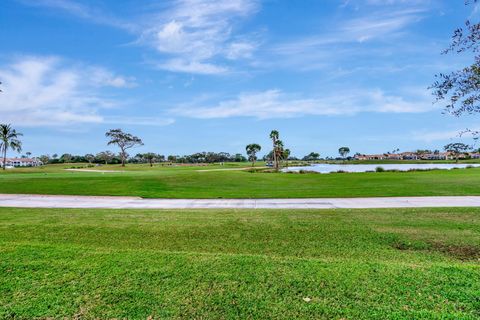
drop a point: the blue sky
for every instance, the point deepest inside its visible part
(201, 75)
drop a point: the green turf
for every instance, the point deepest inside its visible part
(352, 264)
(201, 182)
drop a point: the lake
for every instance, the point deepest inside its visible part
(329, 168)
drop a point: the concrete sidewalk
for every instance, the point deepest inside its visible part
(54, 201)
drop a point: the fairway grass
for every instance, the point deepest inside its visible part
(210, 264)
(209, 182)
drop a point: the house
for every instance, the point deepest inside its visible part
(409, 156)
(21, 162)
(370, 157)
(436, 156)
(393, 156)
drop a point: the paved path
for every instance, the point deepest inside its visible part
(44, 201)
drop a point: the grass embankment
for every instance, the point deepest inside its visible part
(284, 264)
(207, 182)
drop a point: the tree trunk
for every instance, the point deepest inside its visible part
(4, 156)
(275, 155)
(123, 157)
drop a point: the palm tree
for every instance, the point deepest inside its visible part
(9, 140)
(252, 150)
(274, 136)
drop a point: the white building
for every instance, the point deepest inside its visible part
(21, 162)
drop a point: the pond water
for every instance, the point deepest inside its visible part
(329, 168)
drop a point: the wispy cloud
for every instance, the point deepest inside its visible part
(368, 31)
(276, 104)
(49, 91)
(83, 11)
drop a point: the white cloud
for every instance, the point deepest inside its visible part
(275, 104)
(240, 49)
(194, 32)
(44, 91)
(181, 65)
(103, 77)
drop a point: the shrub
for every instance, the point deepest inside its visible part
(379, 169)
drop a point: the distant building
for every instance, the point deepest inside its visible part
(415, 156)
(436, 156)
(21, 162)
(409, 156)
(370, 157)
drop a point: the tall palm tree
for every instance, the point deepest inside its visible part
(9, 140)
(274, 135)
(252, 150)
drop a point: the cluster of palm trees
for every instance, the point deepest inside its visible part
(277, 154)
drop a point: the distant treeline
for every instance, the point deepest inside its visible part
(108, 157)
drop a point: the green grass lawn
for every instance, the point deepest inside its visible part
(205, 182)
(210, 264)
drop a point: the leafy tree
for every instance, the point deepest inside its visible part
(312, 156)
(457, 148)
(105, 156)
(66, 158)
(274, 135)
(252, 150)
(44, 158)
(54, 156)
(343, 151)
(124, 141)
(89, 157)
(238, 157)
(150, 157)
(460, 89)
(28, 154)
(9, 139)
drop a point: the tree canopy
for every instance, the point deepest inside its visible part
(460, 89)
(124, 141)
